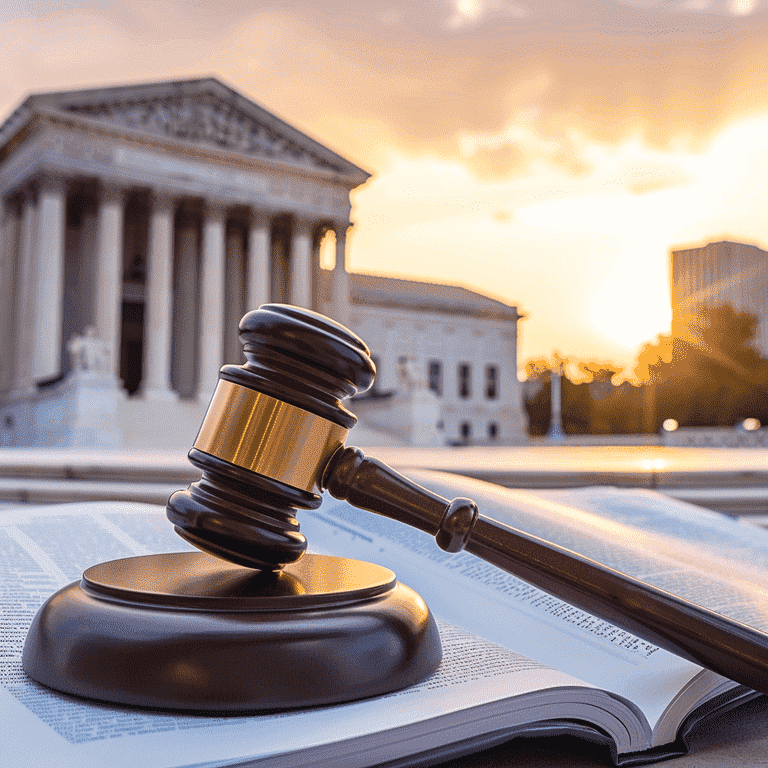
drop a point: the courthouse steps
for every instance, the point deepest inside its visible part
(733, 481)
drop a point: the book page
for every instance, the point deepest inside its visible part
(705, 545)
(43, 549)
(489, 602)
(699, 555)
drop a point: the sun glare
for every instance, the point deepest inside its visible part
(686, 197)
(593, 249)
(631, 305)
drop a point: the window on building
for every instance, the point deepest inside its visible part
(465, 380)
(493, 430)
(466, 431)
(435, 377)
(491, 382)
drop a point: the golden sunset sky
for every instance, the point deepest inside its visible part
(548, 154)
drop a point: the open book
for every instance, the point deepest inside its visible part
(516, 661)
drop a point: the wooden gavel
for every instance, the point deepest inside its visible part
(273, 440)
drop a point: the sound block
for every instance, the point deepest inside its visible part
(187, 631)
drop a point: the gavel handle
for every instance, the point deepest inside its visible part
(727, 647)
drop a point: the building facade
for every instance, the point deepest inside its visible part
(721, 273)
(149, 218)
(139, 223)
(459, 345)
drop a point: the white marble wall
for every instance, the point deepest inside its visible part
(451, 339)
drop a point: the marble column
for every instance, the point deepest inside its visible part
(185, 306)
(280, 267)
(212, 281)
(25, 295)
(8, 288)
(49, 285)
(87, 275)
(259, 249)
(301, 265)
(234, 295)
(340, 297)
(158, 303)
(108, 273)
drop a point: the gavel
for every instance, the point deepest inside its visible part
(273, 440)
(254, 622)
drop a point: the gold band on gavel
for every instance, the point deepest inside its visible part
(268, 436)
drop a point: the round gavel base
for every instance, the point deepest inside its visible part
(187, 631)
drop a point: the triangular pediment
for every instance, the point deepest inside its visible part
(202, 112)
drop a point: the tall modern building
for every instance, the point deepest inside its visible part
(722, 273)
(139, 223)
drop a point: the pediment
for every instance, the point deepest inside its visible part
(203, 113)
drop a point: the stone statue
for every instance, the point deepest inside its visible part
(89, 353)
(408, 375)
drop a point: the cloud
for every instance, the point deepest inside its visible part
(373, 77)
(610, 71)
(585, 258)
(468, 12)
(697, 5)
(521, 149)
(518, 149)
(500, 162)
(465, 11)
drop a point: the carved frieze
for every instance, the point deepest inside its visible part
(78, 147)
(204, 120)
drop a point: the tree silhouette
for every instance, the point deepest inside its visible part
(599, 372)
(706, 373)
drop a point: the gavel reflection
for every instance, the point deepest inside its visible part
(273, 440)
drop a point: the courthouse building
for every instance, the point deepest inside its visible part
(139, 223)
(722, 273)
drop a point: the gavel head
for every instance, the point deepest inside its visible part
(271, 427)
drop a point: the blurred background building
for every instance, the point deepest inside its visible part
(439, 350)
(139, 223)
(717, 274)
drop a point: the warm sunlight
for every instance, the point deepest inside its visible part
(632, 305)
(555, 175)
(328, 250)
(605, 236)
(523, 242)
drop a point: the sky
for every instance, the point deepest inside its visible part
(547, 154)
